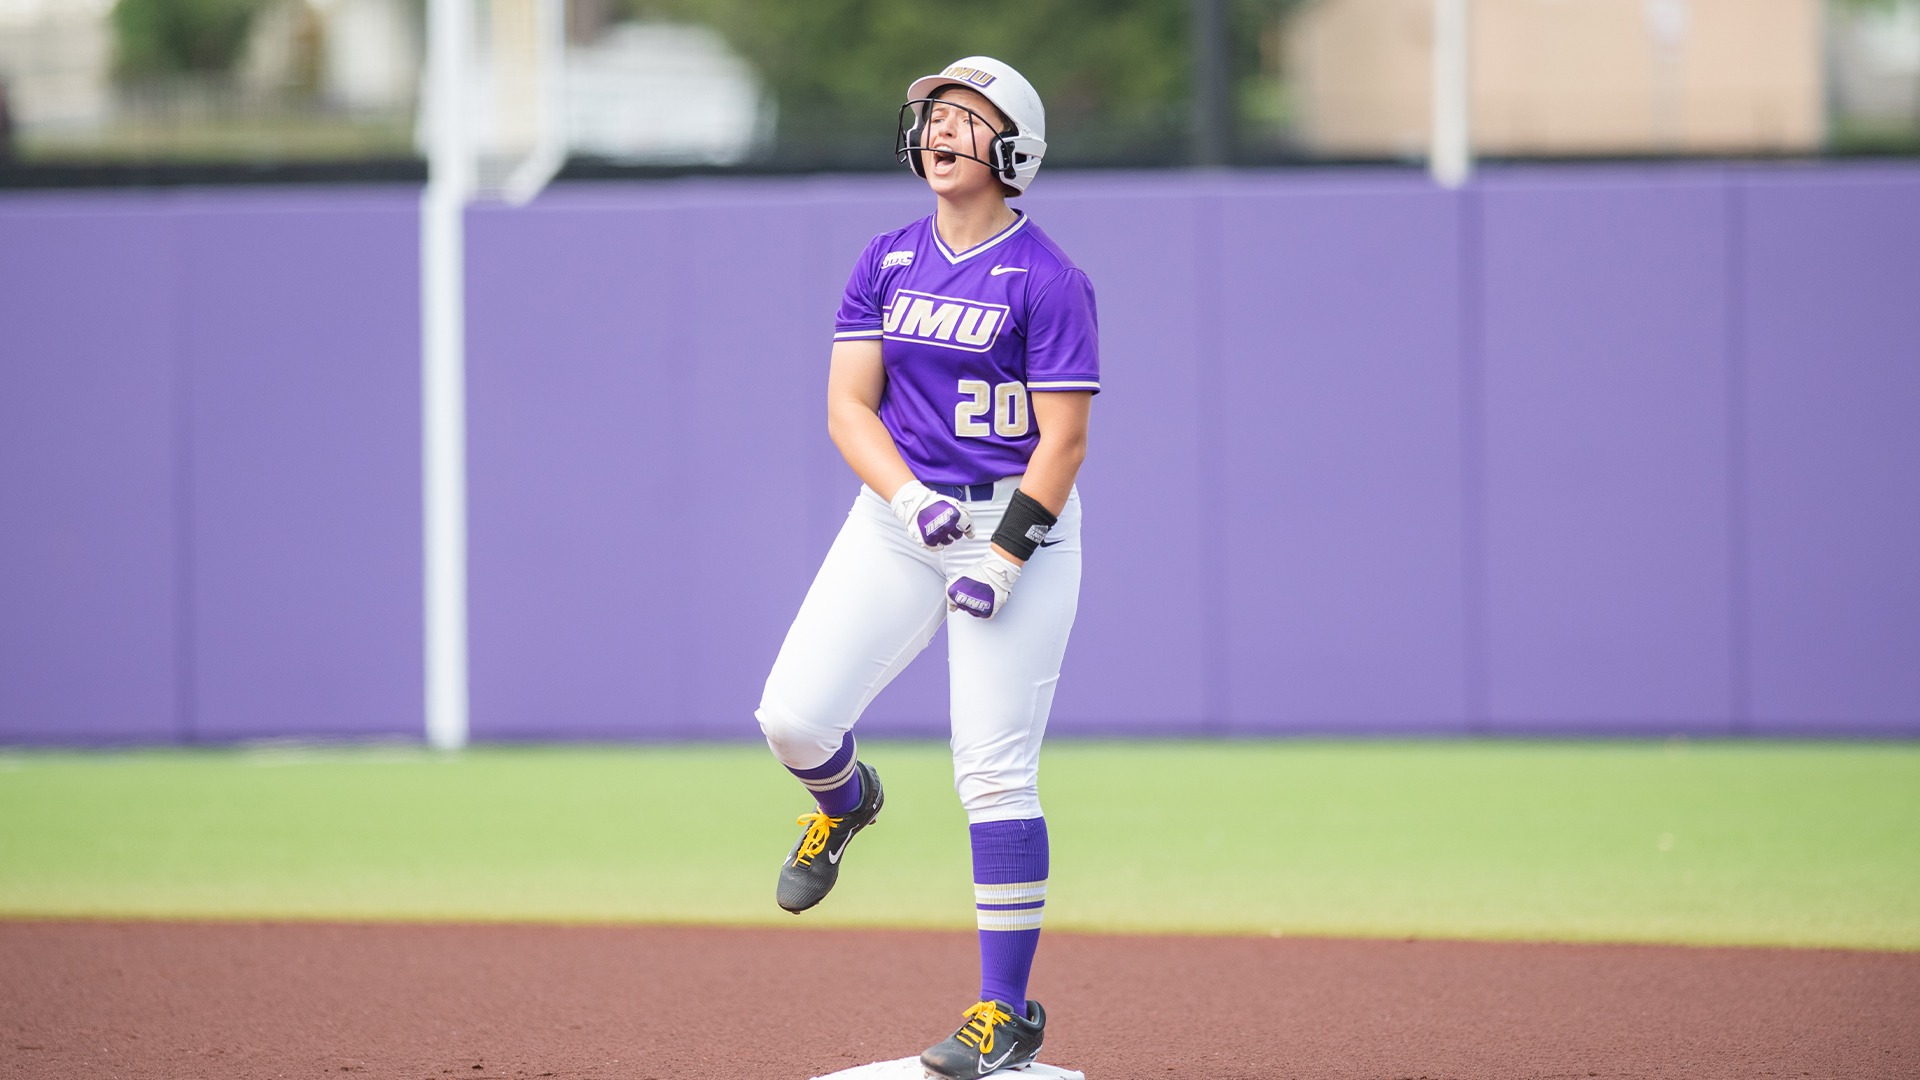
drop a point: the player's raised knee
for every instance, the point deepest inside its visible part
(795, 742)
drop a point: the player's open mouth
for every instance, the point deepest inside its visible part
(943, 159)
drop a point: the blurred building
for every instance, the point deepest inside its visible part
(55, 57)
(656, 91)
(370, 53)
(312, 70)
(1554, 77)
(633, 92)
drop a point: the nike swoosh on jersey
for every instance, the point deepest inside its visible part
(1048, 543)
(998, 270)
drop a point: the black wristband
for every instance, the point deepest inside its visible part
(1024, 526)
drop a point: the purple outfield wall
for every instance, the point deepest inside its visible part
(1580, 450)
(209, 447)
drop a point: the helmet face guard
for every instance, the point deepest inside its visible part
(910, 136)
(1014, 153)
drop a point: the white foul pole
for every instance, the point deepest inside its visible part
(1450, 158)
(450, 180)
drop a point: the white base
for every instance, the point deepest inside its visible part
(908, 1068)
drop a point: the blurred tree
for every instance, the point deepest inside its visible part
(167, 37)
(1117, 75)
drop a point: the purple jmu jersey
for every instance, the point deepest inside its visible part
(964, 339)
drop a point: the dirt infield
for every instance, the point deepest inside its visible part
(159, 1001)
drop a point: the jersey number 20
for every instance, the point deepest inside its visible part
(1007, 403)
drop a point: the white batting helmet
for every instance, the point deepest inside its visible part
(1015, 155)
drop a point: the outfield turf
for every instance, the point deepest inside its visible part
(1765, 843)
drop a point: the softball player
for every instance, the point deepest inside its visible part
(964, 365)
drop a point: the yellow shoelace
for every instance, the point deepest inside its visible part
(982, 1020)
(815, 842)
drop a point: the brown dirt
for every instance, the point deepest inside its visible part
(159, 1001)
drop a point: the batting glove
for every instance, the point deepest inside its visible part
(982, 590)
(933, 520)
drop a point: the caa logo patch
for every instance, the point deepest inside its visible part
(946, 321)
(897, 258)
(969, 74)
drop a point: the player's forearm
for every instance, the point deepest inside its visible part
(1062, 418)
(1049, 478)
(1054, 466)
(867, 447)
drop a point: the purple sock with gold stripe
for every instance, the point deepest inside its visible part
(836, 784)
(1010, 894)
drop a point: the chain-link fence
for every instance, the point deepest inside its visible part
(768, 85)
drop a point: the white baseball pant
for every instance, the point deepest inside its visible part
(876, 603)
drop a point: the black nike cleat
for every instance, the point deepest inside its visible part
(814, 863)
(991, 1039)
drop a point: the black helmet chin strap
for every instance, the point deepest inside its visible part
(910, 139)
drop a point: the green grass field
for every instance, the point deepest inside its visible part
(1764, 843)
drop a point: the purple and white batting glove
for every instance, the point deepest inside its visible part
(932, 520)
(982, 590)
